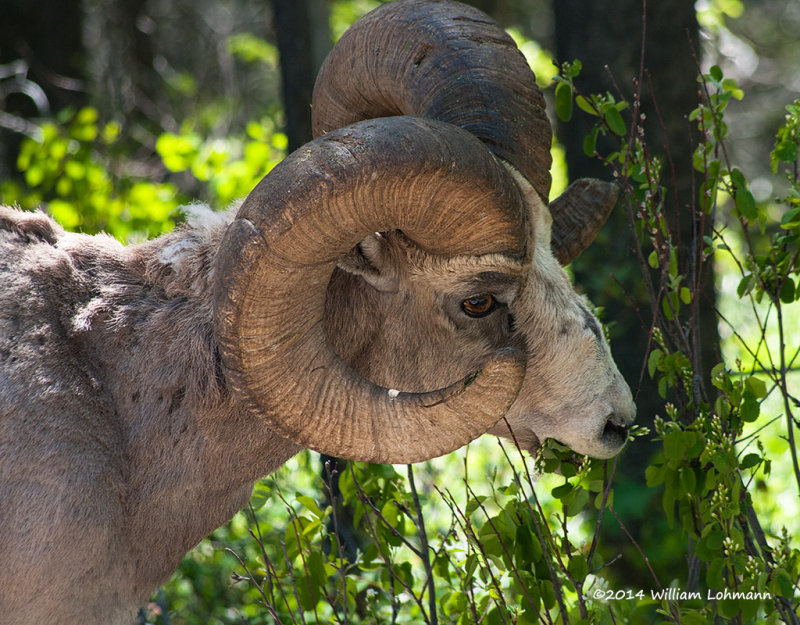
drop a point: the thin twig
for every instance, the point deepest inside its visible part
(423, 538)
(329, 487)
(607, 481)
(255, 583)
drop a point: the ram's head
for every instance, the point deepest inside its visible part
(410, 247)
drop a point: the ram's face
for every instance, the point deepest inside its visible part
(407, 320)
(573, 391)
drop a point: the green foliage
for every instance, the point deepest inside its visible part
(344, 13)
(565, 91)
(252, 49)
(494, 557)
(73, 169)
(787, 141)
(711, 14)
(228, 167)
(712, 453)
(63, 170)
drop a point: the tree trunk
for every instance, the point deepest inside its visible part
(302, 30)
(42, 54)
(607, 38)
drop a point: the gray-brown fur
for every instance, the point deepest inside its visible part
(120, 447)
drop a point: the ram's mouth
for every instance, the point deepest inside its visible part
(575, 459)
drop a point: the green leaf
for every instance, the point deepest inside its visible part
(311, 505)
(653, 360)
(474, 503)
(564, 101)
(728, 608)
(654, 475)
(585, 106)
(370, 559)
(722, 462)
(391, 512)
(667, 309)
(559, 492)
(578, 502)
(750, 460)
(568, 470)
(787, 291)
(695, 449)
(673, 445)
(315, 562)
(470, 565)
(578, 568)
(746, 285)
(720, 377)
(714, 574)
(732, 87)
(442, 566)
(785, 586)
(662, 388)
(786, 151)
(673, 262)
(614, 120)
(688, 479)
(756, 386)
(261, 494)
(590, 142)
(745, 203)
(750, 408)
(791, 219)
(548, 594)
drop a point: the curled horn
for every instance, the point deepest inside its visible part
(448, 61)
(277, 258)
(442, 60)
(578, 214)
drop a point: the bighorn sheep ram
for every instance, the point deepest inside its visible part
(143, 389)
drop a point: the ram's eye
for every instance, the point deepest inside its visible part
(479, 306)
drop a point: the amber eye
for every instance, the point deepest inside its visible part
(479, 306)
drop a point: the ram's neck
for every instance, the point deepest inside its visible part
(193, 450)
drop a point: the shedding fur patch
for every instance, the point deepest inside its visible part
(200, 220)
(171, 254)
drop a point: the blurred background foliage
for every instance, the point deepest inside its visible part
(114, 113)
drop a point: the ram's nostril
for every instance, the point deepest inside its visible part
(614, 431)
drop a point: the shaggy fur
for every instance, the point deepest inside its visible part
(120, 447)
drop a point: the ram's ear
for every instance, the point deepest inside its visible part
(373, 261)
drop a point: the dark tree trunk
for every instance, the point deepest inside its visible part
(301, 27)
(42, 55)
(126, 83)
(607, 38)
